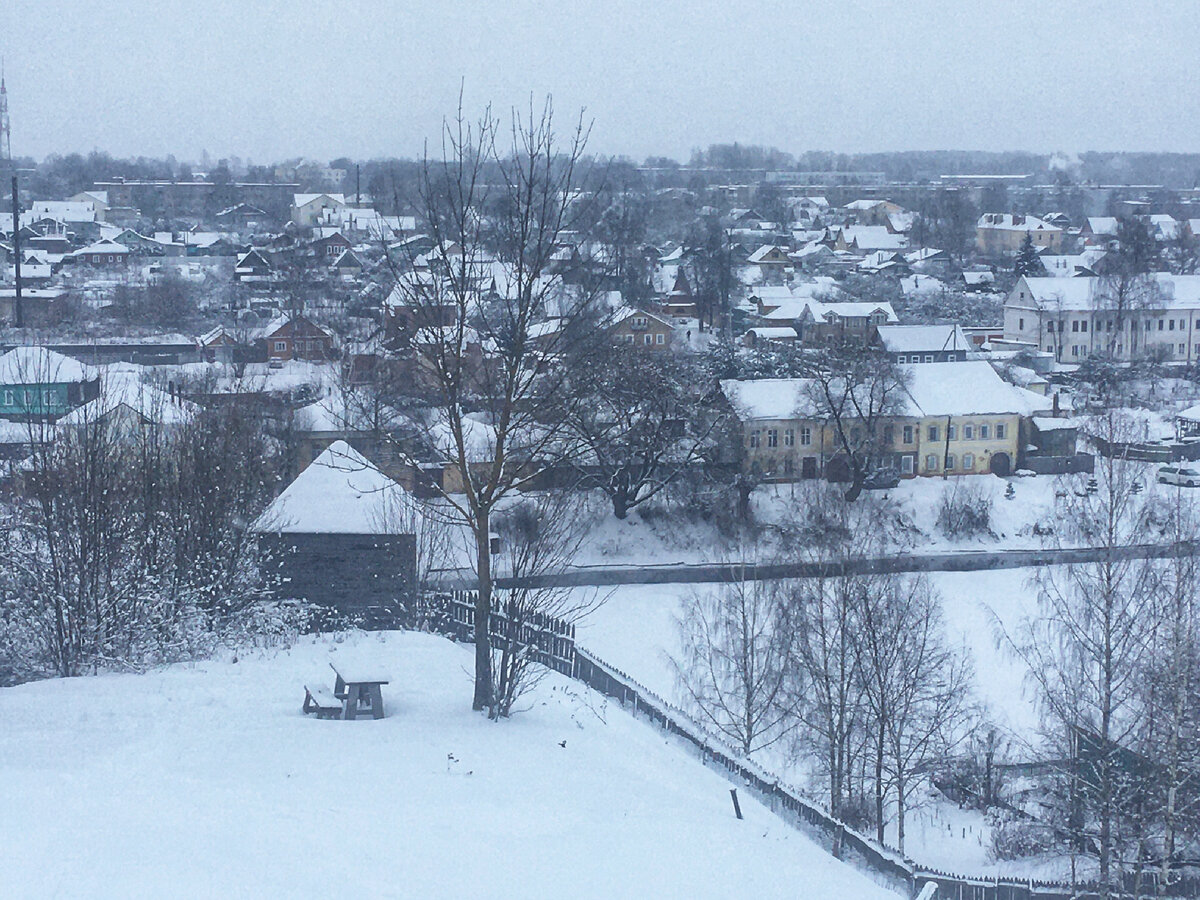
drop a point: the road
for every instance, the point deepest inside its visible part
(963, 561)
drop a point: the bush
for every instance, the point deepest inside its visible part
(966, 511)
(1016, 838)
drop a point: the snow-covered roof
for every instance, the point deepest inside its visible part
(340, 493)
(923, 338)
(299, 200)
(873, 237)
(851, 309)
(1191, 414)
(345, 412)
(969, 388)
(104, 246)
(1069, 265)
(126, 390)
(1087, 293)
(764, 251)
(774, 332)
(1106, 225)
(770, 398)
(39, 365)
(1009, 222)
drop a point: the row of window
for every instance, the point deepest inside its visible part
(971, 432)
(647, 339)
(313, 346)
(1080, 326)
(928, 357)
(29, 397)
(1081, 350)
(932, 461)
(983, 432)
(789, 437)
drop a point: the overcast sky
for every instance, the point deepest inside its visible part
(275, 80)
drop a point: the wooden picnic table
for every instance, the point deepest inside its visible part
(361, 691)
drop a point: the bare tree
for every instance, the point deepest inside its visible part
(1090, 640)
(855, 391)
(915, 685)
(539, 533)
(496, 215)
(640, 423)
(737, 643)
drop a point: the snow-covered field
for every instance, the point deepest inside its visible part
(205, 780)
(636, 630)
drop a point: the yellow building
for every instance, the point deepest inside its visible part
(955, 418)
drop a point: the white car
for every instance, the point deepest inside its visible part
(1181, 477)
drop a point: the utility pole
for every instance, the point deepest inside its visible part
(18, 312)
(357, 186)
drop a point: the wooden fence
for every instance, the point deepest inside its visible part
(556, 648)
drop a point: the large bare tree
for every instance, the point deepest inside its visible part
(496, 316)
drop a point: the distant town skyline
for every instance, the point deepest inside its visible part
(270, 81)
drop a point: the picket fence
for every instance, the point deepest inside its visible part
(555, 645)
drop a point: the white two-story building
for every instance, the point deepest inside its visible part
(1075, 318)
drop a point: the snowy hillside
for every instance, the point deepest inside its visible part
(206, 781)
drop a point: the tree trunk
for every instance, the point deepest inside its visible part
(879, 786)
(900, 814)
(620, 504)
(483, 612)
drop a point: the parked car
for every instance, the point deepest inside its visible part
(1178, 476)
(881, 480)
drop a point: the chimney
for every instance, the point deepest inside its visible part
(1055, 409)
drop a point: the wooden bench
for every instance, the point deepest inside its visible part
(323, 703)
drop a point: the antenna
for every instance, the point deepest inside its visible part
(5, 125)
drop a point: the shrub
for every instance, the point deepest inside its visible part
(966, 511)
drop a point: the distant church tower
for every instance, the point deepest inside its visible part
(5, 125)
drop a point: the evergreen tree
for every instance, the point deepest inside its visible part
(1028, 261)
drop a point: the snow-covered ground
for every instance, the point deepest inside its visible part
(205, 780)
(636, 630)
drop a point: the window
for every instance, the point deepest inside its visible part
(1182, 349)
(1171, 325)
(805, 435)
(1020, 324)
(1108, 325)
(968, 462)
(754, 437)
(773, 437)
(906, 465)
(931, 463)
(1075, 325)
(908, 434)
(1183, 324)
(789, 438)
(640, 322)
(659, 339)
(889, 435)
(789, 466)
(968, 432)
(902, 359)
(1075, 348)
(280, 346)
(928, 357)
(950, 462)
(999, 431)
(1160, 324)
(29, 395)
(48, 398)
(933, 432)
(647, 338)
(984, 432)
(10, 398)
(1083, 326)
(1147, 324)
(952, 432)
